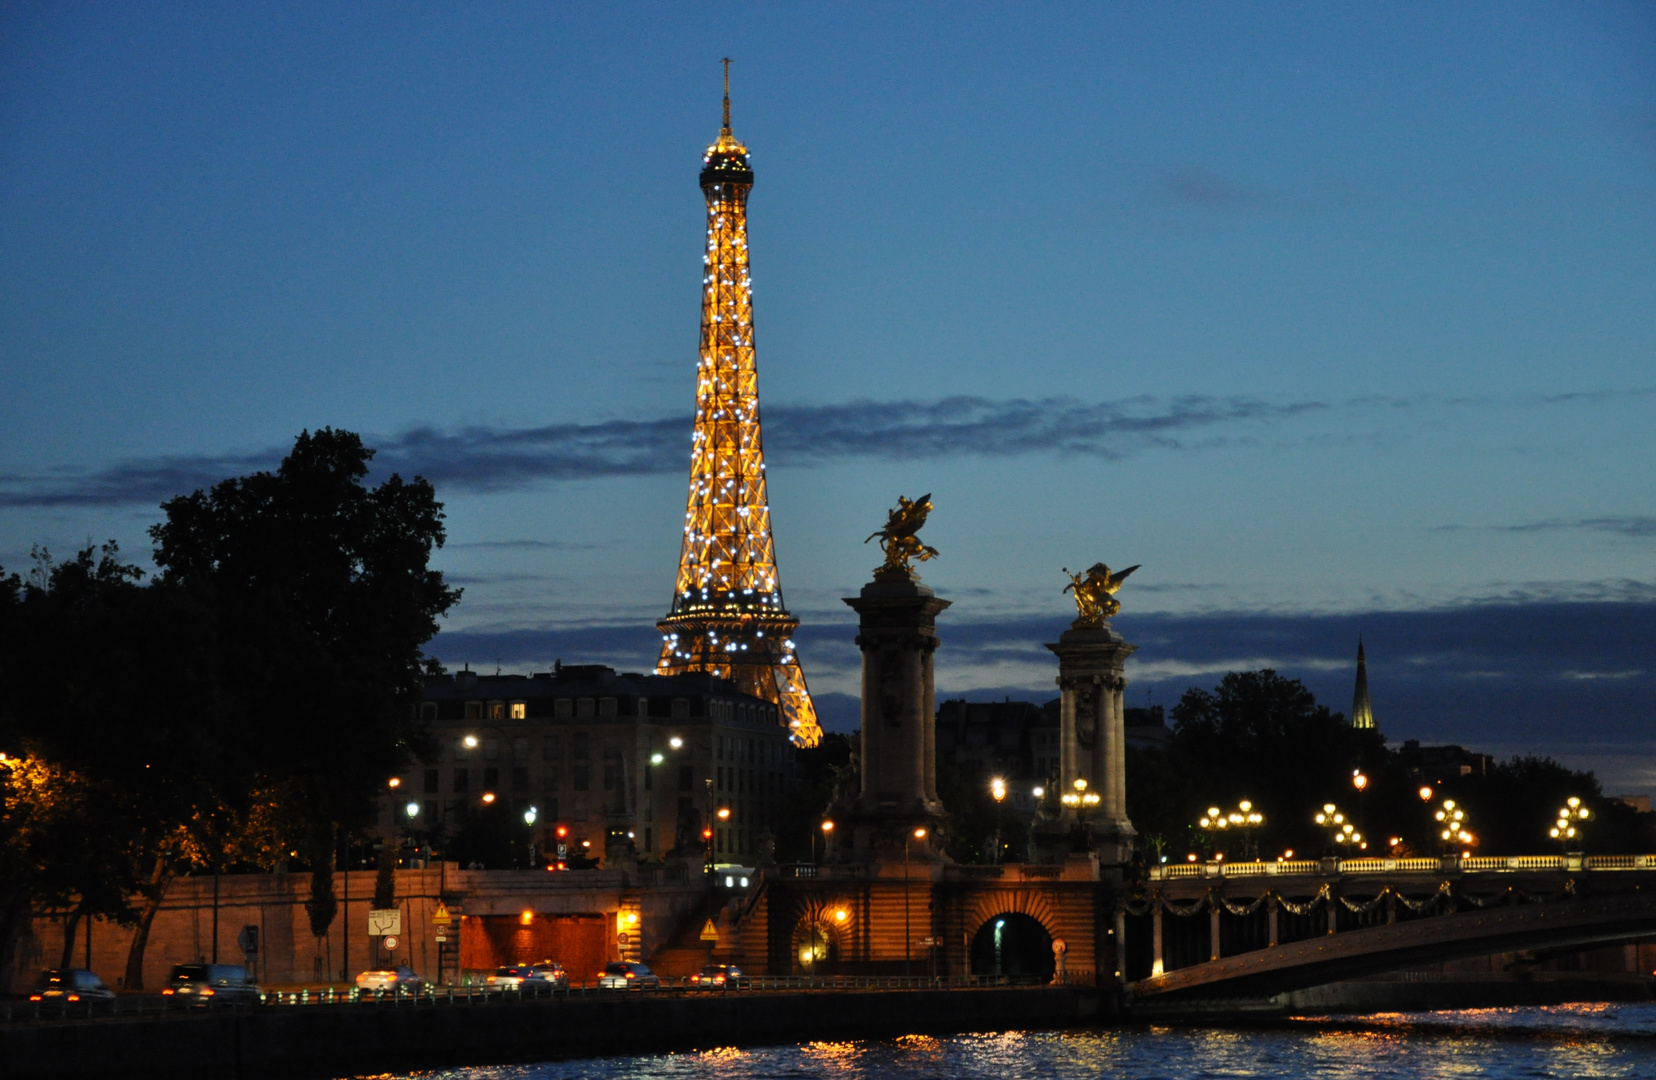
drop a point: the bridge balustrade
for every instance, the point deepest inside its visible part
(1475, 864)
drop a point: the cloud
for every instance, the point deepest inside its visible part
(526, 545)
(1638, 527)
(481, 458)
(1196, 185)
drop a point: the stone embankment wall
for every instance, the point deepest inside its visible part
(289, 953)
(347, 1040)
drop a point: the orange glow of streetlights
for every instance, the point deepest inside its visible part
(919, 834)
(488, 796)
(1425, 793)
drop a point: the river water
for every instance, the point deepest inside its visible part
(1568, 1042)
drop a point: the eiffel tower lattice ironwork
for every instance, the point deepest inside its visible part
(728, 618)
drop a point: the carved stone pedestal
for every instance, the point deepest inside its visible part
(897, 632)
(1092, 748)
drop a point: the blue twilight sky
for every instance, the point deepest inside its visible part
(1337, 318)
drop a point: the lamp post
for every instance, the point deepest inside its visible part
(1360, 780)
(908, 932)
(827, 833)
(1081, 801)
(1341, 830)
(1244, 818)
(1452, 826)
(1567, 828)
(997, 788)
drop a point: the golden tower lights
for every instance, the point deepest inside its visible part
(728, 618)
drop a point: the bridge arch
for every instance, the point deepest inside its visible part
(822, 935)
(1029, 927)
(1013, 943)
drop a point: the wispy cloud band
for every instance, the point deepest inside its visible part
(483, 458)
(480, 458)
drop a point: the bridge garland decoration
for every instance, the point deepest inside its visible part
(1446, 891)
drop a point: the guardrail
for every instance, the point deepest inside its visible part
(428, 996)
(1449, 864)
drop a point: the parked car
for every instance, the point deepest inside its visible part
(716, 977)
(61, 987)
(215, 985)
(390, 979)
(624, 976)
(530, 977)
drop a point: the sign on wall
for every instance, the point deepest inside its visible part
(384, 922)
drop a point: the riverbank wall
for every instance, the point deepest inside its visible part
(349, 1040)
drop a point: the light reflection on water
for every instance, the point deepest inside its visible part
(1566, 1042)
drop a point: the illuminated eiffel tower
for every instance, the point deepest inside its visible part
(728, 618)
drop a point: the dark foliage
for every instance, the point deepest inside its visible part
(804, 804)
(1261, 737)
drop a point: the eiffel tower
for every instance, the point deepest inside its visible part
(728, 618)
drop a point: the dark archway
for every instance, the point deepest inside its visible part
(1013, 944)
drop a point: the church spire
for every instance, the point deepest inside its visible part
(1362, 715)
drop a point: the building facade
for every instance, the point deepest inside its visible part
(616, 767)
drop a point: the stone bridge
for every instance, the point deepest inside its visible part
(1256, 929)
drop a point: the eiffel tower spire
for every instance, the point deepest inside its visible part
(728, 618)
(1362, 716)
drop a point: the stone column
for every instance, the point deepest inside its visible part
(1092, 733)
(897, 632)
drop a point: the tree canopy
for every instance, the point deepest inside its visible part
(244, 707)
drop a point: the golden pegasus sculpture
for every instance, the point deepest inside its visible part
(897, 539)
(1095, 594)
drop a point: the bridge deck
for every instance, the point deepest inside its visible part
(1352, 953)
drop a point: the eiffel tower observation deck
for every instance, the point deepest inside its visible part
(728, 618)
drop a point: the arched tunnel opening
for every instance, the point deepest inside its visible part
(1013, 944)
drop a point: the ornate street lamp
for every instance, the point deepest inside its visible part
(1340, 828)
(1452, 827)
(1245, 819)
(997, 789)
(1568, 828)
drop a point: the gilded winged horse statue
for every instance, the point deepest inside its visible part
(897, 539)
(1095, 594)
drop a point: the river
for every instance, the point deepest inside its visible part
(1568, 1042)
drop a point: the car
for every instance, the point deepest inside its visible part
(60, 988)
(530, 978)
(621, 975)
(210, 985)
(717, 977)
(384, 979)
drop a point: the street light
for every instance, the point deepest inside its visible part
(1452, 818)
(1244, 819)
(997, 788)
(1425, 793)
(470, 741)
(827, 832)
(1569, 814)
(908, 932)
(412, 809)
(1340, 828)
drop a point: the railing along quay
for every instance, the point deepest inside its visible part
(132, 1005)
(1449, 864)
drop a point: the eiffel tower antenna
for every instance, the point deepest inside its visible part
(725, 129)
(728, 618)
